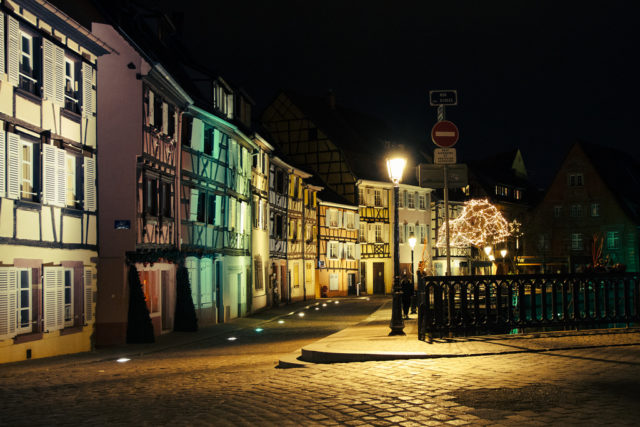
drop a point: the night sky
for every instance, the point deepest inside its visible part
(534, 75)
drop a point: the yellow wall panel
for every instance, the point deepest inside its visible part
(92, 233)
(50, 116)
(27, 225)
(6, 96)
(47, 230)
(6, 218)
(70, 129)
(28, 111)
(71, 227)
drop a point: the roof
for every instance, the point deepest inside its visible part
(330, 196)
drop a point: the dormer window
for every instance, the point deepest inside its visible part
(575, 180)
(223, 99)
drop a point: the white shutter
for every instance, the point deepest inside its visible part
(90, 197)
(327, 220)
(59, 80)
(13, 166)
(358, 251)
(53, 305)
(61, 177)
(88, 295)
(151, 107)
(193, 206)
(341, 253)
(87, 91)
(385, 198)
(356, 222)
(13, 50)
(2, 156)
(341, 218)
(197, 134)
(165, 118)
(2, 43)
(371, 228)
(49, 174)
(8, 279)
(218, 217)
(385, 233)
(48, 72)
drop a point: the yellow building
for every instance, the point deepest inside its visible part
(48, 195)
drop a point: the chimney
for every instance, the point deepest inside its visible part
(331, 99)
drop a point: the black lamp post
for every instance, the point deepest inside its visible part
(395, 167)
(412, 243)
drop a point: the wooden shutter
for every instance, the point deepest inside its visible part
(197, 134)
(193, 206)
(165, 118)
(59, 80)
(61, 177)
(8, 280)
(90, 196)
(13, 50)
(341, 253)
(48, 69)
(13, 165)
(88, 295)
(2, 157)
(87, 92)
(53, 305)
(152, 106)
(2, 62)
(385, 233)
(49, 174)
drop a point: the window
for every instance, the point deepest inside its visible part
(350, 218)
(28, 76)
(557, 211)
(350, 251)
(576, 241)
(576, 211)
(27, 190)
(613, 240)
(333, 250)
(23, 301)
(502, 190)
(171, 126)
(333, 218)
(411, 200)
(361, 198)
(308, 232)
(423, 202)
(157, 113)
(279, 226)
(150, 196)
(208, 140)
(223, 99)
(401, 196)
(280, 185)
(517, 194)
(70, 86)
(379, 238)
(543, 242)
(377, 197)
(68, 297)
(187, 125)
(166, 206)
(595, 209)
(575, 180)
(362, 234)
(422, 234)
(211, 208)
(259, 284)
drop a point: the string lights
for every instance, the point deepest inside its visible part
(480, 223)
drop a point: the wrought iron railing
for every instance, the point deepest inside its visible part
(501, 304)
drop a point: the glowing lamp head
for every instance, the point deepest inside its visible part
(487, 250)
(492, 258)
(395, 167)
(412, 241)
(503, 252)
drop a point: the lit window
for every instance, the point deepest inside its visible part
(411, 200)
(26, 172)
(595, 209)
(613, 240)
(26, 73)
(423, 202)
(576, 241)
(517, 194)
(377, 197)
(68, 297)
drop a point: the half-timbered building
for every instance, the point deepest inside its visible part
(262, 293)
(310, 230)
(297, 245)
(278, 229)
(216, 214)
(339, 249)
(48, 195)
(140, 122)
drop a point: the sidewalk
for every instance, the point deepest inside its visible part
(369, 340)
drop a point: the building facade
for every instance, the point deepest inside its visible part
(48, 193)
(414, 218)
(278, 229)
(139, 123)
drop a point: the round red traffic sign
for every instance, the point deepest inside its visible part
(444, 134)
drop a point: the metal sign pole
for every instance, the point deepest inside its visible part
(442, 115)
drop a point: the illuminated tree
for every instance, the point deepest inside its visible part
(479, 224)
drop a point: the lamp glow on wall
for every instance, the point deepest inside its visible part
(396, 162)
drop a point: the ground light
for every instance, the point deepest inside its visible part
(123, 360)
(301, 314)
(337, 302)
(317, 308)
(259, 329)
(324, 304)
(232, 338)
(280, 321)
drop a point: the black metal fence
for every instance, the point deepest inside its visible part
(463, 305)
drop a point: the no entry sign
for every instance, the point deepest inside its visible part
(444, 134)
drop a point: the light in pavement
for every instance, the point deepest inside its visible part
(123, 360)
(301, 314)
(259, 329)
(232, 338)
(280, 321)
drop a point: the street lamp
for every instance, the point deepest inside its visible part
(395, 166)
(412, 244)
(503, 252)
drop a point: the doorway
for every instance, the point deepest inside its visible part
(220, 304)
(378, 277)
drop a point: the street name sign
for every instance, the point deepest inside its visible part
(444, 156)
(432, 176)
(445, 134)
(443, 97)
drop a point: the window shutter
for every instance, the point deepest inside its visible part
(48, 71)
(193, 207)
(13, 166)
(152, 104)
(49, 174)
(341, 253)
(197, 135)
(327, 220)
(13, 50)
(218, 218)
(8, 303)
(61, 178)
(90, 199)
(356, 222)
(2, 155)
(53, 290)
(87, 92)
(357, 251)
(59, 79)
(385, 233)
(385, 199)
(328, 250)
(371, 232)
(88, 295)
(165, 118)
(2, 43)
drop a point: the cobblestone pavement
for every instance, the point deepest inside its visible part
(222, 382)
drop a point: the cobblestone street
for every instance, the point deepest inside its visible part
(222, 382)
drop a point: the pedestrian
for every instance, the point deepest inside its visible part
(407, 292)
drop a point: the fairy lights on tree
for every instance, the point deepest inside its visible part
(479, 224)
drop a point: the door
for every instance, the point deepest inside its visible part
(378, 277)
(351, 281)
(363, 277)
(284, 284)
(220, 304)
(167, 306)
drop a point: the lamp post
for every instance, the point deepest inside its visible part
(395, 167)
(503, 252)
(412, 244)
